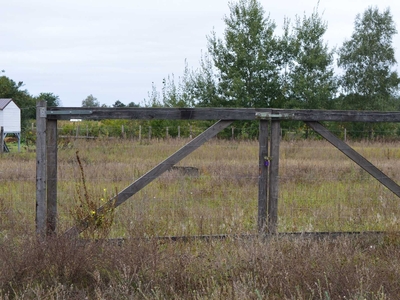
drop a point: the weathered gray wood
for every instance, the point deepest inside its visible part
(157, 171)
(356, 157)
(263, 163)
(1, 139)
(51, 176)
(274, 178)
(41, 169)
(67, 113)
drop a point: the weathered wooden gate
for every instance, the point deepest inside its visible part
(269, 140)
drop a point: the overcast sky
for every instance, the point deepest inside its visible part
(114, 50)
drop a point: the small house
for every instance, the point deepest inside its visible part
(10, 119)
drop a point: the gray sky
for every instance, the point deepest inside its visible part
(116, 49)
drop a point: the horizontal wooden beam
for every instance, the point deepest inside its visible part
(93, 113)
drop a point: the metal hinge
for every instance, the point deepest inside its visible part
(42, 112)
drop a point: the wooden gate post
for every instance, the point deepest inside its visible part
(1, 139)
(51, 158)
(262, 176)
(274, 178)
(41, 169)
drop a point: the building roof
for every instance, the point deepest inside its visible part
(4, 103)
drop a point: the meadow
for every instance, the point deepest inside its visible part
(320, 191)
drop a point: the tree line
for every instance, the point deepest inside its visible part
(252, 66)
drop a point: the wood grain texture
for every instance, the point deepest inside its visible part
(274, 178)
(67, 113)
(41, 170)
(263, 176)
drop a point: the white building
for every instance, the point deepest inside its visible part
(10, 119)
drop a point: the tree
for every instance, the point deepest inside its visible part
(50, 98)
(246, 60)
(133, 104)
(369, 81)
(10, 89)
(119, 104)
(204, 88)
(90, 101)
(311, 83)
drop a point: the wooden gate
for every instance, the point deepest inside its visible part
(269, 141)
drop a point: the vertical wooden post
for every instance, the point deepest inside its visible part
(179, 132)
(167, 132)
(263, 176)
(233, 133)
(51, 131)
(190, 132)
(1, 139)
(41, 169)
(140, 133)
(274, 178)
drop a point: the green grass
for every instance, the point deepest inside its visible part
(320, 190)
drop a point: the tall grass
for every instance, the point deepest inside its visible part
(320, 190)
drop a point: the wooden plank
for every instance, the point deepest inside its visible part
(274, 178)
(41, 169)
(157, 171)
(263, 163)
(356, 157)
(51, 176)
(1, 139)
(67, 113)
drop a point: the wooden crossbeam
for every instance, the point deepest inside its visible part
(205, 113)
(155, 172)
(356, 157)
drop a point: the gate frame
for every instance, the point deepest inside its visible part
(269, 141)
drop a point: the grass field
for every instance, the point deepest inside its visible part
(320, 190)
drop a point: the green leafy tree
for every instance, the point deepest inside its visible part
(133, 104)
(119, 104)
(50, 98)
(10, 89)
(311, 83)
(247, 61)
(369, 81)
(90, 101)
(204, 84)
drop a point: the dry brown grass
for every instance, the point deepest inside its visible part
(320, 191)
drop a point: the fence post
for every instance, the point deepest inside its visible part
(51, 176)
(123, 131)
(140, 133)
(1, 139)
(190, 131)
(233, 133)
(166, 132)
(179, 132)
(41, 169)
(273, 178)
(263, 175)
